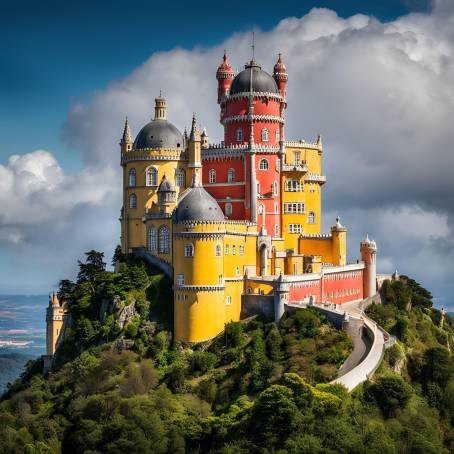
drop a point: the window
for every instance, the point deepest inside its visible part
(258, 188)
(263, 164)
(278, 135)
(296, 158)
(180, 178)
(152, 239)
(249, 290)
(261, 209)
(132, 178)
(189, 250)
(233, 250)
(239, 135)
(241, 250)
(220, 279)
(265, 135)
(276, 207)
(294, 228)
(228, 301)
(228, 209)
(276, 230)
(180, 279)
(295, 268)
(218, 250)
(212, 176)
(163, 236)
(293, 186)
(274, 188)
(294, 207)
(132, 201)
(226, 249)
(231, 175)
(311, 217)
(152, 177)
(237, 271)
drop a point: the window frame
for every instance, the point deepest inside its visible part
(212, 176)
(132, 201)
(151, 176)
(264, 164)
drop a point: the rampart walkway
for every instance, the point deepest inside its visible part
(367, 352)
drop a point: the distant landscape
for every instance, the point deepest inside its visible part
(22, 333)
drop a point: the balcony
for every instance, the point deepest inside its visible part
(301, 167)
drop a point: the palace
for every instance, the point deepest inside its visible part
(236, 225)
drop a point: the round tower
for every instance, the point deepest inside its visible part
(199, 298)
(339, 243)
(224, 75)
(368, 250)
(54, 323)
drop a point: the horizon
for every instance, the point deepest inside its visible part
(69, 201)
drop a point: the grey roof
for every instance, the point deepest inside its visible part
(158, 134)
(196, 204)
(261, 80)
(166, 185)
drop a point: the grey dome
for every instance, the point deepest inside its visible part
(261, 80)
(166, 185)
(158, 134)
(196, 204)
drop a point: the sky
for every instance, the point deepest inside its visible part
(375, 78)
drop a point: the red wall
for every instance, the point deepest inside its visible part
(338, 288)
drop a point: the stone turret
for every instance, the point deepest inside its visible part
(194, 148)
(54, 323)
(126, 140)
(368, 250)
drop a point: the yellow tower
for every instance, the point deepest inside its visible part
(339, 243)
(158, 151)
(54, 323)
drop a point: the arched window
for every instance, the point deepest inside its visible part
(278, 135)
(226, 251)
(132, 201)
(180, 178)
(241, 250)
(152, 239)
(265, 135)
(276, 230)
(218, 250)
(249, 290)
(231, 175)
(152, 177)
(189, 250)
(132, 178)
(311, 217)
(228, 209)
(228, 301)
(261, 209)
(233, 250)
(237, 271)
(239, 135)
(180, 279)
(212, 176)
(274, 188)
(163, 235)
(263, 164)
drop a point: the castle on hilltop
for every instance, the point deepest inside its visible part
(235, 225)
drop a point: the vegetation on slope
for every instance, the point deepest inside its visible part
(259, 387)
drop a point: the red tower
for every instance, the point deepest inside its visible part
(244, 173)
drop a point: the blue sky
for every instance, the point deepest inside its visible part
(365, 74)
(54, 53)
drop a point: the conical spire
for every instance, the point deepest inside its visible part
(127, 137)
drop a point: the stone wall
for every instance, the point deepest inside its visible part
(253, 304)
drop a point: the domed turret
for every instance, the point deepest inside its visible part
(166, 194)
(280, 75)
(159, 133)
(224, 75)
(195, 204)
(253, 77)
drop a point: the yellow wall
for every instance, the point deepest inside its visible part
(310, 193)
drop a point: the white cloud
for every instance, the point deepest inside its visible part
(382, 94)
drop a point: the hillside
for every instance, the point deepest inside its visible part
(258, 387)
